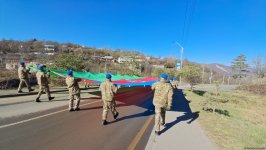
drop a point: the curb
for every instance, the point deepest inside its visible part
(27, 94)
(34, 93)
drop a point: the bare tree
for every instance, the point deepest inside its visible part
(260, 67)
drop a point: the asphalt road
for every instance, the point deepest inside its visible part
(58, 129)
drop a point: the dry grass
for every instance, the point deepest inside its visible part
(246, 126)
(258, 88)
(8, 74)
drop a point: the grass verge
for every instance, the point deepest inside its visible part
(244, 128)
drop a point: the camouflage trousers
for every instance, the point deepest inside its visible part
(174, 86)
(42, 89)
(108, 106)
(24, 81)
(71, 100)
(159, 117)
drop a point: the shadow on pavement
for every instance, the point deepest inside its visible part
(149, 111)
(138, 96)
(142, 97)
(181, 104)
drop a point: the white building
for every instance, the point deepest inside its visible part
(11, 66)
(107, 58)
(49, 49)
(124, 59)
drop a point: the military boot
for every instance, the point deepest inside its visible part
(116, 115)
(104, 122)
(31, 90)
(37, 100)
(157, 133)
(50, 98)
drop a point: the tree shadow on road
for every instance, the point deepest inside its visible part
(142, 97)
(181, 104)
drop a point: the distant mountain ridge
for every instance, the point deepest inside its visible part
(219, 68)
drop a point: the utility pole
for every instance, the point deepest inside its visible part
(223, 79)
(203, 71)
(228, 80)
(181, 64)
(210, 78)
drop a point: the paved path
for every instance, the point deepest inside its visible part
(56, 128)
(21, 105)
(27, 125)
(14, 92)
(182, 132)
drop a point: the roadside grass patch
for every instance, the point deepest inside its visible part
(244, 127)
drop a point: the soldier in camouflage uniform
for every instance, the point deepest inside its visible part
(74, 91)
(162, 101)
(108, 89)
(23, 77)
(42, 79)
(174, 83)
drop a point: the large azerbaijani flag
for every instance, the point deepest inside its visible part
(89, 77)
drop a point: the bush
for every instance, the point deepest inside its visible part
(67, 61)
(258, 88)
(191, 74)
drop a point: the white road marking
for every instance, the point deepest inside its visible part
(34, 118)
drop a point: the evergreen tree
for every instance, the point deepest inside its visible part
(239, 66)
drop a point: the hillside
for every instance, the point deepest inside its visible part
(93, 59)
(219, 68)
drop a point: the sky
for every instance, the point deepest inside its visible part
(210, 31)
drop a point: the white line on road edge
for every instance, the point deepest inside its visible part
(27, 120)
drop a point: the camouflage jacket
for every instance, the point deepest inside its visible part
(174, 84)
(23, 72)
(72, 85)
(108, 89)
(42, 78)
(163, 94)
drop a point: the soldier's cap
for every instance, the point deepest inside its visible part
(22, 63)
(108, 76)
(69, 72)
(40, 67)
(164, 75)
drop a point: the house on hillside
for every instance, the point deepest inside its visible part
(11, 66)
(49, 49)
(148, 58)
(125, 59)
(140, 58)
(104, 58)
(158, 66)
(108, 59)
(96, 57)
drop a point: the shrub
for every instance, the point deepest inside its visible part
(258, 88)
(191, 74)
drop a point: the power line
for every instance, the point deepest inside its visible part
(184, 24)
(189, 13)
